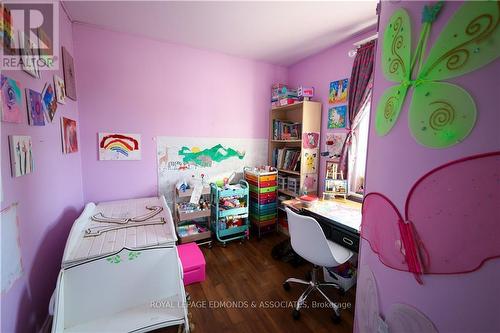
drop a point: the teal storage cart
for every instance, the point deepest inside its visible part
(229, 221)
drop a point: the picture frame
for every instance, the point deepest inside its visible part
(69, 74)
(28, 55)
(332, 172)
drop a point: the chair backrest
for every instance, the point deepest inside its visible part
(309, 241)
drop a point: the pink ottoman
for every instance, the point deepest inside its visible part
(193, 263)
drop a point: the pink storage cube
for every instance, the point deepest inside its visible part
(193, 263)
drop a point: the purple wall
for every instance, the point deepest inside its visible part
(49, 200)
(136, 85)
(318, 71)
(455, 303)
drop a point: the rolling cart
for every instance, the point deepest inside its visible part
(229, 211)
(263, 198)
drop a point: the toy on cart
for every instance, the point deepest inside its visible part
(229, 213)
(263, 196)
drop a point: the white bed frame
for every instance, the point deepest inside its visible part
(122, 289)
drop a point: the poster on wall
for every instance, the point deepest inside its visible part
(69, 135)
(119, 147)
(11, 251)
(187, 158)
(310, 140)
(11, 97)
(338, 92)
(21, 155)
(310, 164)
(334, 143)
(336, 116)
(60, 89)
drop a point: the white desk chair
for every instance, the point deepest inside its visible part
(309, 241)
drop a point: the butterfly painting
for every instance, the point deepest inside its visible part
(441, 114)
(442, 229)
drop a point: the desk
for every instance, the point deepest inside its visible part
(340, 219)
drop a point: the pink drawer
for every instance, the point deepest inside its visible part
(193, 263)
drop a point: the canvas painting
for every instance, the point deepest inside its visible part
(334, 143)
(7, 36)
(337, 116)
(21, 155)
(11, 97)
(60, 89)
(69, 135)
(338, 92)
(69, 74)
(119, 147)
(35, 108)
(29, 55)
(11, 263)
(49, 101)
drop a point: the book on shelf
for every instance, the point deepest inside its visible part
(286, 158)
(285, 130)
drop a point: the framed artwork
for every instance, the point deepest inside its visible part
(337, 116)
(338, 186)
(35, 108)
(338, 92)
(60, 89)
(311, 182)
(332, 170)
(69, 74)
(334, 143)
(21, 155)
(310, 140)
(11, 97)
(69, 135)
(49, 101)
(119, 147)
(29, 56)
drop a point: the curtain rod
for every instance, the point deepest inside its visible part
(366, 40)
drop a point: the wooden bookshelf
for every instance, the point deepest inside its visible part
(307, 113)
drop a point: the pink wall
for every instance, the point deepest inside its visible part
(137, 85)
(49, 200)
(318, 71)
(455, 303)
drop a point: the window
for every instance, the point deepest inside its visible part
(357, 151)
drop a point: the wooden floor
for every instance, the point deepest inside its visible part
(244, 274)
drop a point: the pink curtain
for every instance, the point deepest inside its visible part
(360, 85)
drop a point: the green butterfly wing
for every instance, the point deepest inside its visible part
(396, 48)
(470, 40)
(396, 58)
(389, 107)
(441, 114)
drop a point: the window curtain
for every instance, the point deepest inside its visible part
(360, 86)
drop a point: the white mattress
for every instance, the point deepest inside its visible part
(80, 249)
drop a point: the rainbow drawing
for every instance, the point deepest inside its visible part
(119, 146)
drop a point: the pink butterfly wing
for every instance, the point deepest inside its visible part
(380, 228)
(456, 215)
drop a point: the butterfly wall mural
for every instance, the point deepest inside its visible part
(441, 114)
(450, 224)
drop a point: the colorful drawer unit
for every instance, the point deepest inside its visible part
(263, 184)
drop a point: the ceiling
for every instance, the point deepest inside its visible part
(281, 32)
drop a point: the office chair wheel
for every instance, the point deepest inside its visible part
(287, 286)
(296, 314)
(335, 318)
